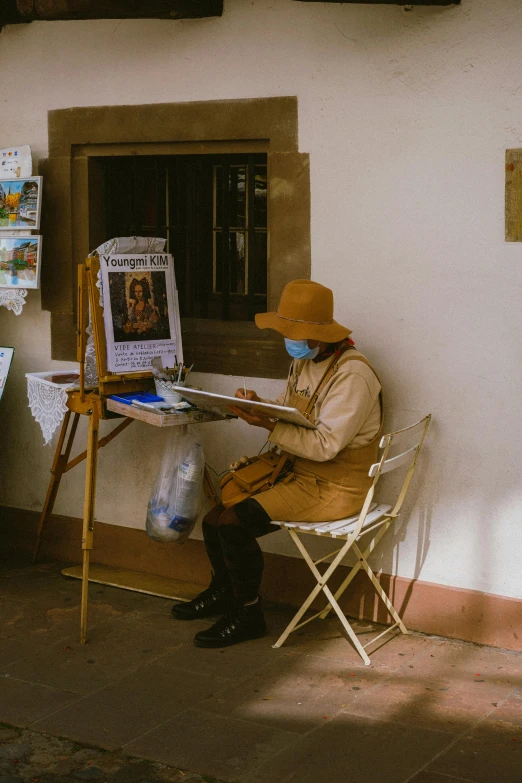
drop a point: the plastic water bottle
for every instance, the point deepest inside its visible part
(175, 500)
(187, 498)
(157, 524)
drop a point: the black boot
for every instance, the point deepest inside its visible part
(214, 600)
(238, 624)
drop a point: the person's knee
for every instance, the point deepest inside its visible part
(212, 517)
(228, 517)
(219, 516)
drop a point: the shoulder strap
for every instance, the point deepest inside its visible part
(284, 455)
(328, 374)
(323, 381)
(364, 360)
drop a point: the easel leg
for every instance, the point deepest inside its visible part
(57, 471)
(88, 515)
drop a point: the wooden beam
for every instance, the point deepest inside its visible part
(16, 11)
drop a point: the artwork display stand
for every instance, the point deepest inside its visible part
(94, 404)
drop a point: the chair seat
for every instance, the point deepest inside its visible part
(340, 527)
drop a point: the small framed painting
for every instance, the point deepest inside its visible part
(6, 356)
(20, 261)
(20, 203)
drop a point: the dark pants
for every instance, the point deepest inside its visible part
(230, 540)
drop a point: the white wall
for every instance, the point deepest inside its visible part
(406, 116)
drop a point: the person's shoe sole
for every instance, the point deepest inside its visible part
(218, 644)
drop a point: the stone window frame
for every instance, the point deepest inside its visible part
(72, 200)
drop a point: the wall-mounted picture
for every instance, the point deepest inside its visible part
(20, 203)
(16, 162)
(20, 261)
(6, 356)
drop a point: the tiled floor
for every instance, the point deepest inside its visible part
(427, 710)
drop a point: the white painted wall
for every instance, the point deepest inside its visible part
(406, 116)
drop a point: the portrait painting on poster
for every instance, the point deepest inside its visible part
(20, 258)
(20, 203)
(141, 312)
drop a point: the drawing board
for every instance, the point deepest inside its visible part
(219, 403)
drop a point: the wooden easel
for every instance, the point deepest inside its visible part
(93, 404)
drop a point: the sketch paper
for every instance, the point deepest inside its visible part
(16, 162)
(20, 261)
(140, 305)
(219, 403)
(6, 355)
(20, 203)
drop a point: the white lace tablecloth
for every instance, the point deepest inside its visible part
(13, 299)
(48, 400)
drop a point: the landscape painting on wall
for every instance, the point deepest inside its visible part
(20, 203)
(20, 261)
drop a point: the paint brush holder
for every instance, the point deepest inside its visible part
(165, 389)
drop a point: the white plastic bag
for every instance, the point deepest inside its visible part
(177, 495)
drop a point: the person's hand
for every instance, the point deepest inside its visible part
(253, 418)
(250, 395)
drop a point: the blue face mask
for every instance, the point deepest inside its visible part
(299, 349)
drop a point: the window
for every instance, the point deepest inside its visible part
(212, 210)
(255, 249)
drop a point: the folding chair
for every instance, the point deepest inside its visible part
(372, 518)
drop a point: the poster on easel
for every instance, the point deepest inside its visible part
(6, 356)
(141, 312)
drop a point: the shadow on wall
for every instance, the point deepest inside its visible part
(467, 542)
(387, 558)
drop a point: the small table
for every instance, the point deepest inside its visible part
(163, 419)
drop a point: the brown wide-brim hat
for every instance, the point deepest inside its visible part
(305, 312)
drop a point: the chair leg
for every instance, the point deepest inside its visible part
(322, 586)
(355, 570)
(382, 595)
(290, 627)
(346, 625)
(357, 567)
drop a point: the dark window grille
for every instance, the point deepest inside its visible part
(212, 210)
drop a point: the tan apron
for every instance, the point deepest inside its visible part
(324, 491)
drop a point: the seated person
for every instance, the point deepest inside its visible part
(330, 464)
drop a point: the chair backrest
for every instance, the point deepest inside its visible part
(415, 434)
(387, 463)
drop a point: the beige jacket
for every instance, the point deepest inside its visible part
(332, 461)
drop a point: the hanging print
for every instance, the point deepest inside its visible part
(6, 356)
(20, 261)
(20, 203)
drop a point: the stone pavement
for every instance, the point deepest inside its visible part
(141, 704)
